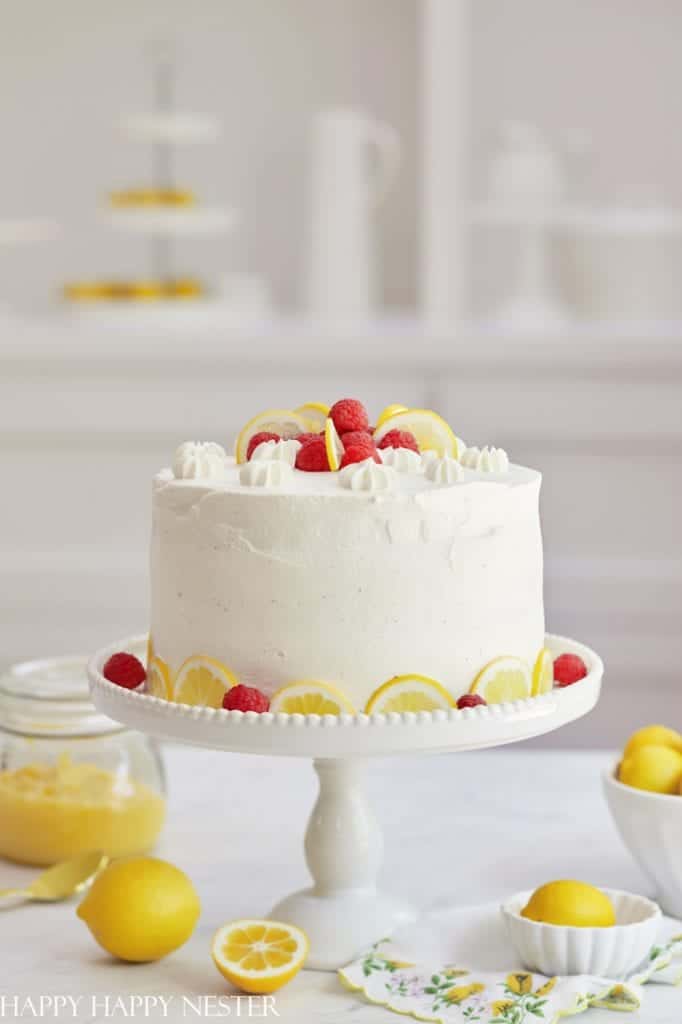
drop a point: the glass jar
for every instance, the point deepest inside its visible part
(71, 780)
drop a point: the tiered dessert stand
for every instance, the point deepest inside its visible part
(343, 912)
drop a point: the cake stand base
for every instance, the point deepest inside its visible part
(343, 912)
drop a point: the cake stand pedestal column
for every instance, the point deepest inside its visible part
(342, 912)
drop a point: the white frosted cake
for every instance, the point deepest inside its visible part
(350, 570)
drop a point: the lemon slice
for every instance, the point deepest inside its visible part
(333, 444)
(409, 693)
(311, 698)
(315, 414)
(543, 673)
(259, 956)
(390, 410)
(150, 650)
(203, 682)
(503, 679)
(284, 422)
(159, 679)
(431, 431)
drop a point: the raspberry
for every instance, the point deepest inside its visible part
(312, 457)
(125, 670)
(349, 414)
(359, 452)
(471, 700)
(399, 439)
(355, 437)
(568, 669)
(307, 438)
(265, 435)
(245, 698)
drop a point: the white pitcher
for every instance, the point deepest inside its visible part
(355, 159)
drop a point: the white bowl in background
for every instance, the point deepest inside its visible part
(650, 825)
(607, 952)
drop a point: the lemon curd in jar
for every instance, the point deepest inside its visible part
(71, 780)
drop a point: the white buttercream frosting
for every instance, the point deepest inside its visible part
(403, 460)
(367, 475)
(277, 451)
(265, 473)
(199, 460)
(443, 471)
(485, 460)
(422, 578)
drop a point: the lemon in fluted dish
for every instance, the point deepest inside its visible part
(543, 673)
(572, 904)
(203, 682)
(654, 768)
(286, 423)
(141, 909)
(653, 735)
(259, 956)
(309, 697)
(409, 693)
(503, 679)
(431, 431)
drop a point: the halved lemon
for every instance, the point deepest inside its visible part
(433, 434)
(203, 682)
(159, 679)
(503, 679)
(409, 693)
(333, 444)
(259, 956)
(315, 414)
(284, 422)
(311, 698)
(390, 410)
(543, 673)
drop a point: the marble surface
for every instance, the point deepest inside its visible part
(459, 829)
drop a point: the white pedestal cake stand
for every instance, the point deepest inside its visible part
(343, 912)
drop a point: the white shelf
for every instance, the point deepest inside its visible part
(194, 221)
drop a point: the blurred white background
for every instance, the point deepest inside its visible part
(90, 407)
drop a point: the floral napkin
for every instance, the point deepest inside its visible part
(452, 993)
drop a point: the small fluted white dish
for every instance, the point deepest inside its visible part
(650, 825)
(605, 952)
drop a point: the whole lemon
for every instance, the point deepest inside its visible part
(656, 735)
(141, 909)
(575, 904)
(657, 769)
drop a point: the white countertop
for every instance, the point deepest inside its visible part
(459, 829)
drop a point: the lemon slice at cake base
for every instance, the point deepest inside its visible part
(203, 682)
(390, 410)
(333, 444)
(433, 434)
(543, 673)
(259, 956)
(159, 679)
(311, 698)
(409, 693)
(284, 422)
(315, 414)
(502, 680)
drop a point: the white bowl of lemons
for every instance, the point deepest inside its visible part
(569, 927)
(644, 793)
